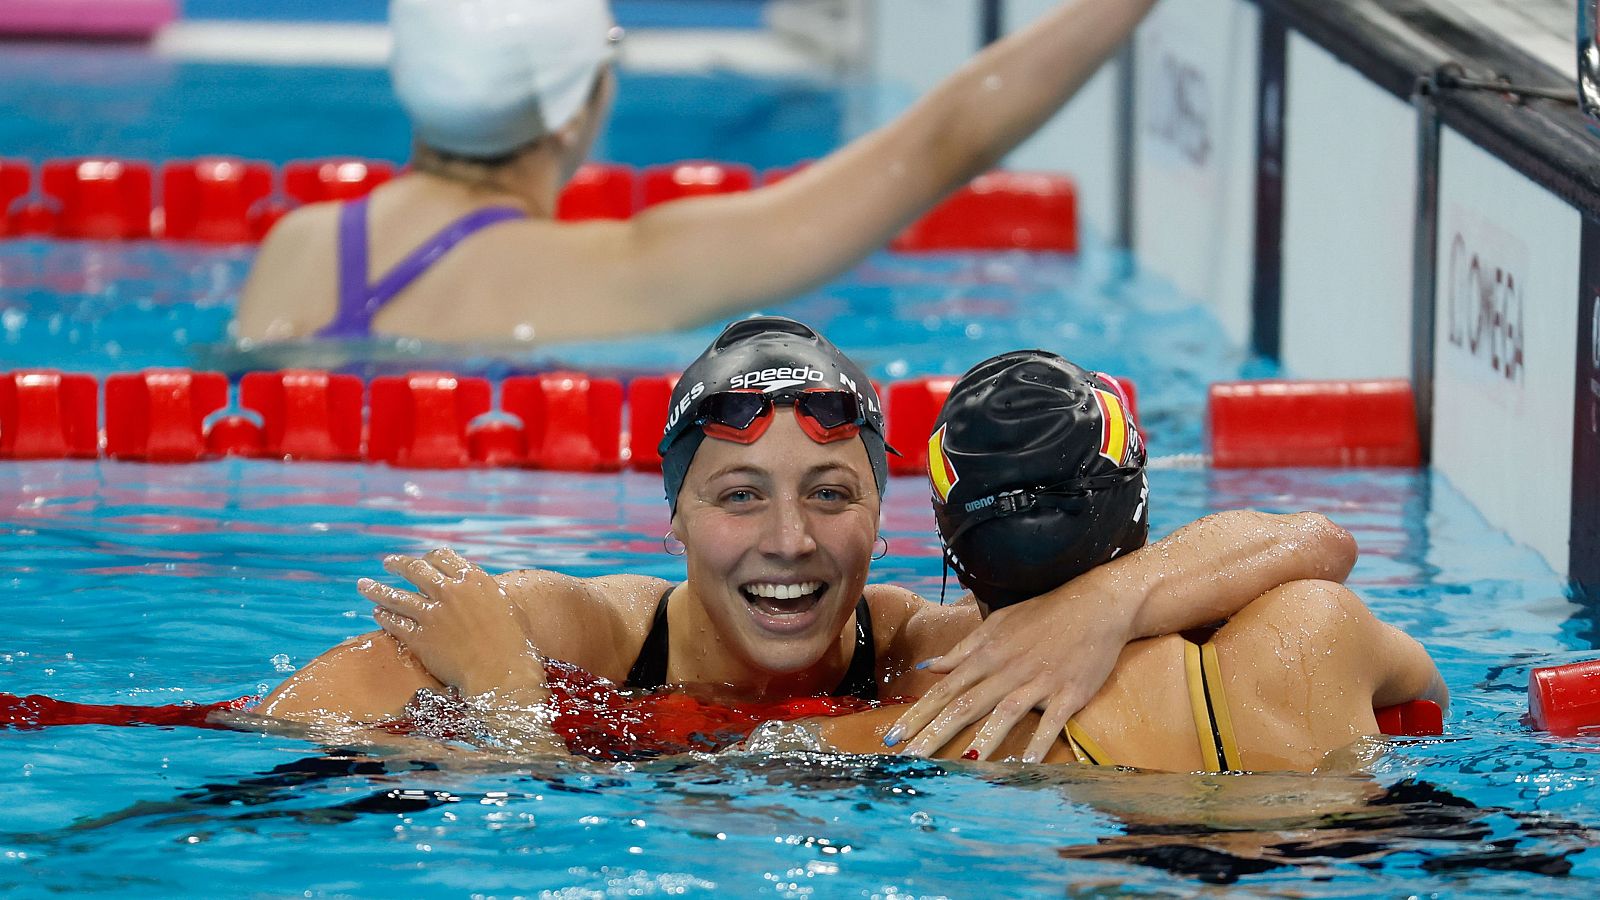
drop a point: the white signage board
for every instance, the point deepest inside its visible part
(1505, 339)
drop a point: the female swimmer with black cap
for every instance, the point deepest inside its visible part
(506, 97)
(1038, 476)
(774, 466)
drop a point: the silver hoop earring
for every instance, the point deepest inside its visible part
(883, 545)
(672, 546)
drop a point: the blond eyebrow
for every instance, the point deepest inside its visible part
(739, 469)
(822, 468)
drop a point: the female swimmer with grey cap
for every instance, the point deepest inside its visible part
(506, 97)
(774, 467)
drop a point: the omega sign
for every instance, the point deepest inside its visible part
(1485, 310)
(1179, 108)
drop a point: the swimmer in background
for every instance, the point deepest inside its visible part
(506, 97)
(774, 465)
(1038, 477)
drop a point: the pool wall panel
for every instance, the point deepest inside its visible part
(1081, 140)
(1508, 261)
(1195, 151)
(1349, 202)
(911, 46)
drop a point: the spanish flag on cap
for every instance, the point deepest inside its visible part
(940, 470)
(1114, 428)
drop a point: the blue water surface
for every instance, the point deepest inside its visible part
(146, 584)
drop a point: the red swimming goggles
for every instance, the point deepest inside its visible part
(743, 416)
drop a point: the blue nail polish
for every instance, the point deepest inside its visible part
(926, 663)
(895, 736)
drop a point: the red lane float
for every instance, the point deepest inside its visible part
(306, 414)
(1000, 211)
(235, 436)
(159, 415)
(16, 181)
(100, 199)
(648, 399)
(420, 420)
(1562, 699)
(35, 711)
(1415, 718)
(45, 414)
(213, 200)
(572, 422)
(695, 179)
(912, 407)
(319, 180)
(599, 191)
(1264, 424)
(497, 444)
(782, 173)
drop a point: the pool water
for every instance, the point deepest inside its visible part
(151, 585)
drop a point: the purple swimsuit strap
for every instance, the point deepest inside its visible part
(359, 300)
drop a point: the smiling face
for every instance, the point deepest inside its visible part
(779, 535)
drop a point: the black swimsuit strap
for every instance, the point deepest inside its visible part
(650, 669)
(860, 680)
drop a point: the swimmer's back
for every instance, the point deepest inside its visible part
(1302, 667)
(513, 272)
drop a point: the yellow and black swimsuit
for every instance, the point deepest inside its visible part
(1213, 725)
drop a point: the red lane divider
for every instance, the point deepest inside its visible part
(648, 399)
(420, 420)
(1562, 699)
(16, 181)
(100, 198)
(306, 414)
(159, 415)
(912, 407)
(319, 180)
(1000, 211)
(1262, 424)
(572, 422)
(1415, 718)
(663, 184)
(227, 200)
(600, 191)
(565, 421)
(236, 436)
(215, 200)
(47, 415)
(35, 711)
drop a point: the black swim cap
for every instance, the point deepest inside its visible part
(780, 357)
(1038, 476)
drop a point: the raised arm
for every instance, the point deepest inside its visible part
(694, 260)
(1054, 652)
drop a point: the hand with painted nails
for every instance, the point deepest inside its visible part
(1051, 654)
(461, 625)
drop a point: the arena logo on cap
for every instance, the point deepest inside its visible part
(1116, 444)
(940, 470)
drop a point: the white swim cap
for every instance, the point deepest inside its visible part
(484, 77)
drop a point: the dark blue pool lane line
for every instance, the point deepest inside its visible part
(1585, 546)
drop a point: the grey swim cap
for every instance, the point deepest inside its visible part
(780, 357)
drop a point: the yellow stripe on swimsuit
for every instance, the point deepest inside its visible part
(1213, 725)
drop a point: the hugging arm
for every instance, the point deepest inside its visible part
(1054, 652)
